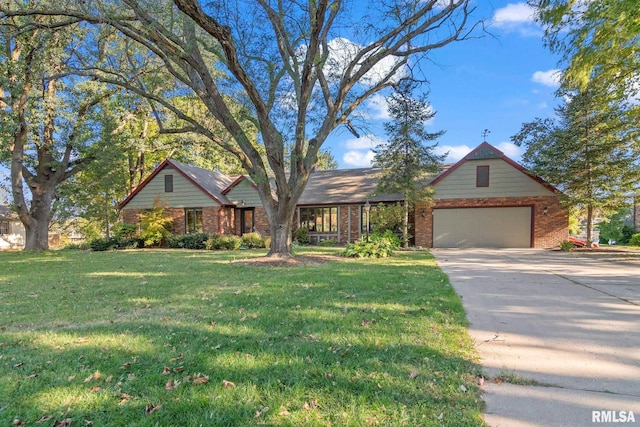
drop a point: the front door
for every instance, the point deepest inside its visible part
(246, 221)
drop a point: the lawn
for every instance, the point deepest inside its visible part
(190, 338)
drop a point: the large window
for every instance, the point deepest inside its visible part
(4, 227)
(246, 221)
(319, 220)
(193, 220)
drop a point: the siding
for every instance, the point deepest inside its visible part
(184, 195)
(244, 191)
(504, 181)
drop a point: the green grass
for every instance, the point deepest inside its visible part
(95, 338)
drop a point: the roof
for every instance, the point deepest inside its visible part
(7, 213)
(344, 186)
(487, 151)
(209, 182)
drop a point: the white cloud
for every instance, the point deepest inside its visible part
(358, 158)
(517, 17)
(510, 150)
(365, 142)
(455, 152)
(549, 78)
(377, 106)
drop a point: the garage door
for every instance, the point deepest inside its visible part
(482, 228)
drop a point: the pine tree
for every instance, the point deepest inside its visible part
(409, 155)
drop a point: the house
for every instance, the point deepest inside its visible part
(484, 200)
(12, 234)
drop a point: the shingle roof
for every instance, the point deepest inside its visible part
(344, 186)
(7, 213)
(212, 182)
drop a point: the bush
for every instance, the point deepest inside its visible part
(188, 241)
(566, 246)
(301, 235)
(224, 241)
(112, 243)
(253, 240)
(635, 240)
(327, 243)
(123, 230)
(380, 245)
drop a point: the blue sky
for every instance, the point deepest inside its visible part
(497, 82)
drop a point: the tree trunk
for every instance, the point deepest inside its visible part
(589, 225)
(37, 229)
(280, 229)
(405, 224)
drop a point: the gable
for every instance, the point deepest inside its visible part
(505, 180)
(244, 194)
(185, 192)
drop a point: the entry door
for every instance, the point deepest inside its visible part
(246, 221)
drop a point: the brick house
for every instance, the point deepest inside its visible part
(484, 200)
(12, 233)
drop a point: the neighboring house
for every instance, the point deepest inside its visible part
(12, 233)
(484, 200)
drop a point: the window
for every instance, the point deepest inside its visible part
(319, 220)
(193, 220)
(4, 228)
(168, 183)
(482, 176)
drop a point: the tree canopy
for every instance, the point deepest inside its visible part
(297, 69)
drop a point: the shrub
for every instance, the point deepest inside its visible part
(566, 246)
(301, 235)
(224, 241)
(635, 240)
(380, 245)
(103, 244)
(123, 230)
(327, 243)
(188, 241)
(253, 240)
(155, 225)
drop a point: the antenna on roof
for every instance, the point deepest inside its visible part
(484, 134)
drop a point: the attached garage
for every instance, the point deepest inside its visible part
(490, 227)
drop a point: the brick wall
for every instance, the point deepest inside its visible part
(260, 221)
(548, 229)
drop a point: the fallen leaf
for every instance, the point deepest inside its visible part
(125, 365)
(413, 374)
(45, 419)
(82, 340)
(71, 378)
(462, 387)
(238, 292)
(228, 384)
(17, 422)
(171, 385)
(131, 377)
(89, 378)
(262, 411)
(88, 423)
(151, 408)
(173, 359)
(242, 319)
(95, 389)
(178, 369)
(64, 423)
(481, 381)
(201, 380)
(441, 416)
(18, 365)
(312, 404)
(166, 371)
(32, 376)
(283, 412)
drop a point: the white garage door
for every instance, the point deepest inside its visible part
(482, 228)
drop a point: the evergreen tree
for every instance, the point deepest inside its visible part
(589, 152)
(409, 155)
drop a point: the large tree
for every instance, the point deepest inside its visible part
(300, 69)
(48, 116)
(598, 42)
(409, 155)
(586, 151)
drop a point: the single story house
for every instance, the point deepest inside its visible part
(484, 200)
(12, 234)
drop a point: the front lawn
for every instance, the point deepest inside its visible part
(190, 338)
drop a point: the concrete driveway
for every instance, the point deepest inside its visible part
(561, 329)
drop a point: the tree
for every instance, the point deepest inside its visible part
(48, 116)
(289, 64)
(409, 155)
(587, 152)
(598, 41)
